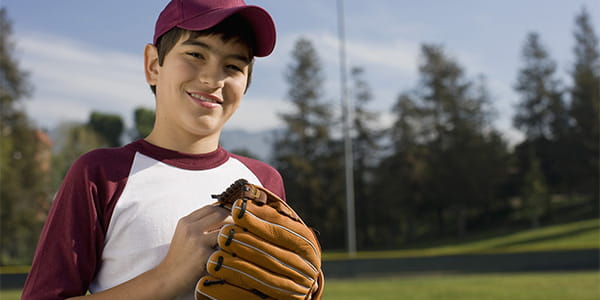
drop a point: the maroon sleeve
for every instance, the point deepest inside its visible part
(71, 242)
(268, 176)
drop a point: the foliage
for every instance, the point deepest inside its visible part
(541, 111)
(305, 154)
(584, 110)
(71, 141)
(108, 126)
(23, 160)
(534, 192)
(442, 168)
(440, 171)
(144, 122)
(366, 145)
(562, 136)
(446, 162)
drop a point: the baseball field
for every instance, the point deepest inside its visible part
(526, 286)
(578, 285)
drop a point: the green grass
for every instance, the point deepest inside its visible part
(525, 286)
(547, 286)
(513, 286)
(10, 294)
(570, 236)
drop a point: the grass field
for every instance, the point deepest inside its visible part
(546, 286)
(569, 236)
(513, 286)
(525, 286)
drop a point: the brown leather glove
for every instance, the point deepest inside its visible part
(269, 253)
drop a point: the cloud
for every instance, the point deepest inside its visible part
(390, 65)
(71, 79)
(395, 54)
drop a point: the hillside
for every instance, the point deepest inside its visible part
(568, 236)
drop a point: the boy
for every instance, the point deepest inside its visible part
(135, 222)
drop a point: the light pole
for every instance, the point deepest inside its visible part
(348, 154)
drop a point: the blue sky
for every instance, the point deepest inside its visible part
(87, 55)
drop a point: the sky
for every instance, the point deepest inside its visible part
(84, 55)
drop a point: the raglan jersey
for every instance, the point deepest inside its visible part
(115, 213)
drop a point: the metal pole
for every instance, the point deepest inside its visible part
(348, 154)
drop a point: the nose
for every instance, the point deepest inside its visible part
(212, 76)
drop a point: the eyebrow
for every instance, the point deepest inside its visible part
(192, 42)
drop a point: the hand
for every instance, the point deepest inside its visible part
(268, 253)
(195, 238)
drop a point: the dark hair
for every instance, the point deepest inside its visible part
(233, 28)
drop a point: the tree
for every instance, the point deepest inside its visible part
(108, 126)
(534, 192)
(457, 126)
(400, 179)
(72, 140)
(542, 115)
(450, 161)
(366, 138)
(541, 110)
(23, 177)
(304, 153)
(584, 109)
(144, 122)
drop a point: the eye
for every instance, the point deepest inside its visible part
(234, 68)
(195, 54)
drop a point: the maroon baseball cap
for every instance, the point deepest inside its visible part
(199, 15)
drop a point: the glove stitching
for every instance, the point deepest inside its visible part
(280, 226)
(219, 263)
(230, 237)
(211, 282)
(279, 261)
(264, 283)
(243, 209)
(259, 294)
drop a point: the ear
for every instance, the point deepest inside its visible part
(151, 66)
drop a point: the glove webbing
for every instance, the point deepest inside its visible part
(240, 190)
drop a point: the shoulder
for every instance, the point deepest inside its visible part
(105, 162)
(269, 177)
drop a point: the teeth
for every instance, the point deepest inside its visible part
(204, 99)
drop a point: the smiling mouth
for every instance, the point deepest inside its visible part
(203, 98)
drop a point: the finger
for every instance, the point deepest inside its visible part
(265, 222)
(233, 239)
(211, 239)
(208, 211)
(209, 287)
(205, 219)
(251, 277)
(217, 226)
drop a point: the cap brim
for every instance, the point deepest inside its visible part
(260, 20)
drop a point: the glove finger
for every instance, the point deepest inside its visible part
(248, 276)
(265, 222)
(209, 288)
(235, 240)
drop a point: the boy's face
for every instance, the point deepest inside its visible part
(199, 86)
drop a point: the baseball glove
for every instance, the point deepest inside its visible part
(269, 253)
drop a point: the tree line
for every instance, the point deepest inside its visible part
(441, 169)
(32, 165)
